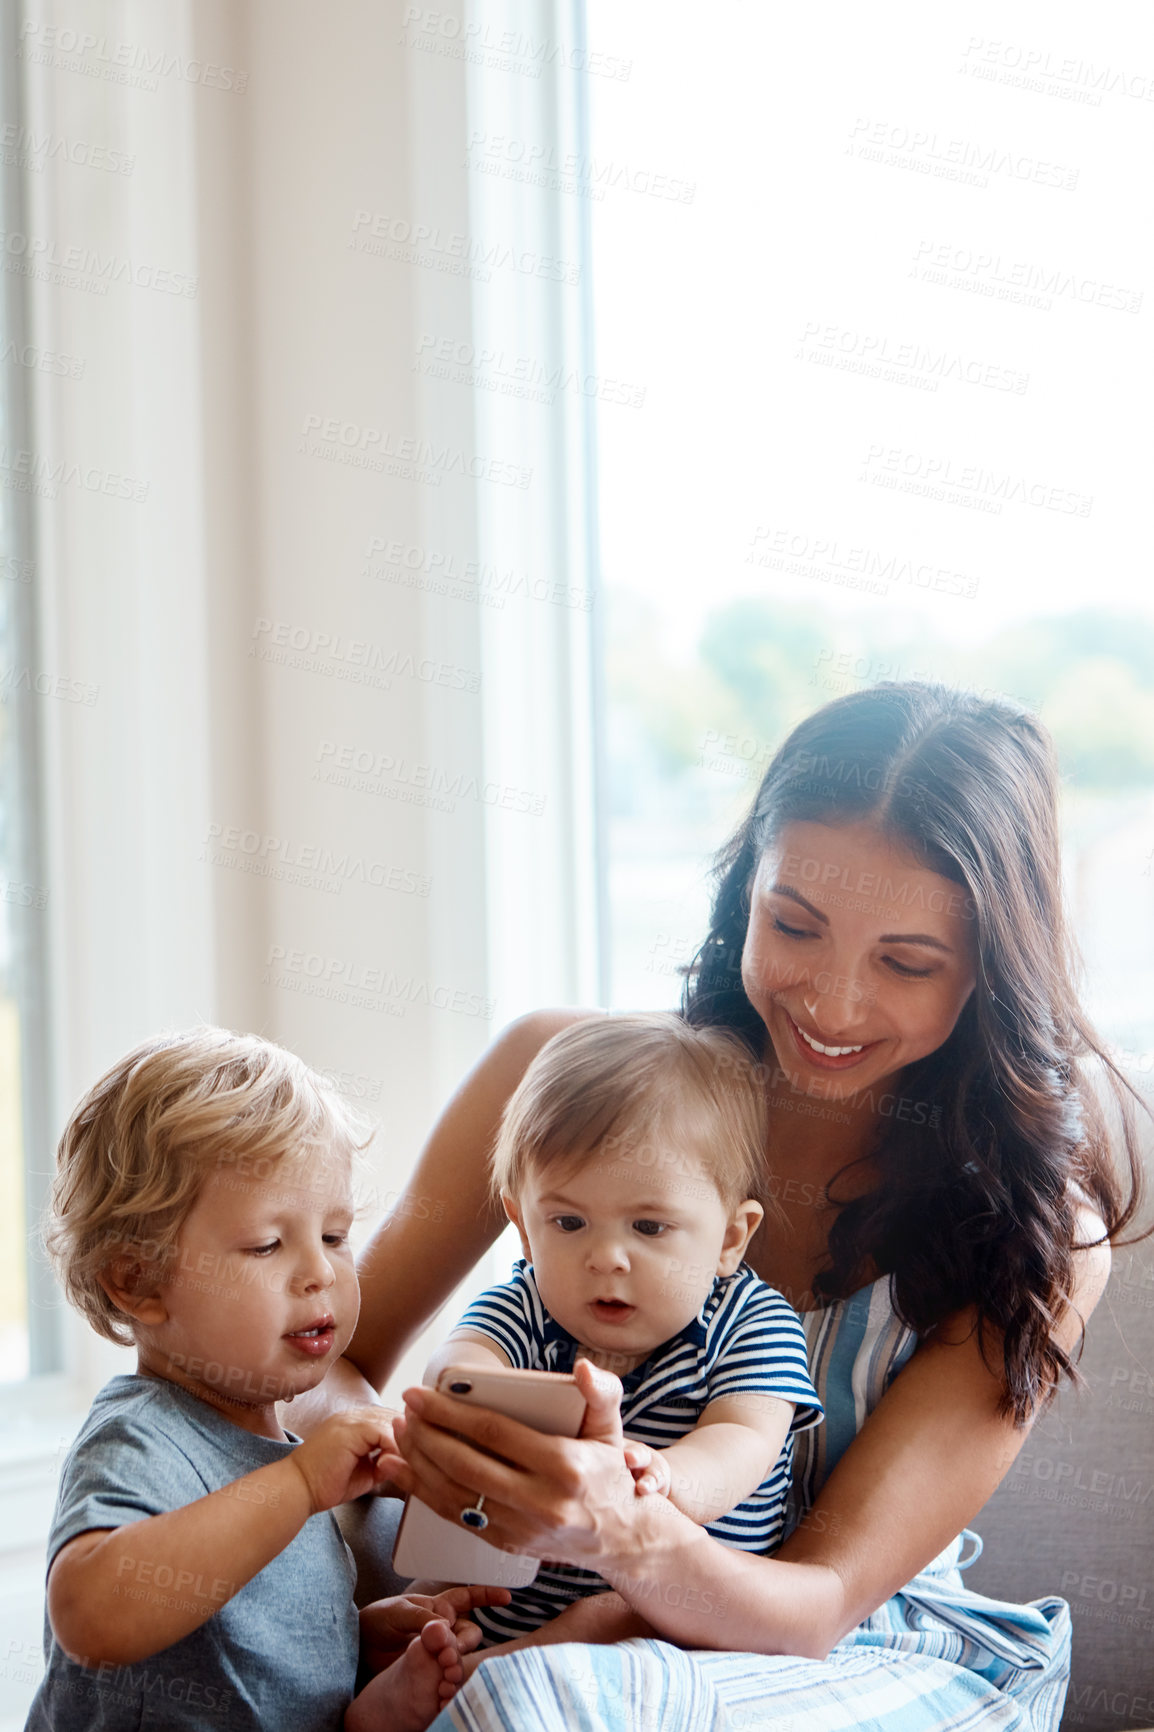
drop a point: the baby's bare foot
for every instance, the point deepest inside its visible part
(408, 1695)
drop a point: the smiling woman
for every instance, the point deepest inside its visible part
(844, 1003)
(888, 943)
(902, 848)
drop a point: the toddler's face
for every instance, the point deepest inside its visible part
(262, 1295)
(625, 1255)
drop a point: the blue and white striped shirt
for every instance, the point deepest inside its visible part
(745, 1340)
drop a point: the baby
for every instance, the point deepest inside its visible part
(197, 1576)
(627, 1160)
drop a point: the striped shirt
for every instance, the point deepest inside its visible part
(745, 1340)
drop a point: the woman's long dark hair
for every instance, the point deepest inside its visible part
(974, 1205)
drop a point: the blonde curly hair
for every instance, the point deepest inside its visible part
(142, 1142)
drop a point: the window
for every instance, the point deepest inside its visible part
(28, 1340)
(875, 297)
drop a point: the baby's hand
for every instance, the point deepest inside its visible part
(341, 1460)
(650, 1470)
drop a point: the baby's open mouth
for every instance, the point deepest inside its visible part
(612, 1310)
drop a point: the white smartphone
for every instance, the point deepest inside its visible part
(447, 1551)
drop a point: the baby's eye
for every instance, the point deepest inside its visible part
(649, 1229)
(263, 1250)
(334, 1238)
(568, 1223)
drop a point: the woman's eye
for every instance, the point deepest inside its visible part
(568, 1223)
(649, 1229)
(790, 931)
(906, 972)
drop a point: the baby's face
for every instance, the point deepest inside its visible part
(262, 1296)
(626, 1254)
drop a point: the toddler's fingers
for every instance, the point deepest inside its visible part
(453, 1603)
(393, 1467)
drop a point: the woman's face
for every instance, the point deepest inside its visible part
(857, 959)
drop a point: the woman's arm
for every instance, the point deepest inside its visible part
(445, 1219)
(443, 1222)
(922, 1466)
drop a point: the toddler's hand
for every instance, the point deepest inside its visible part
(650, 1470)
(342, 1458)
(388, 1626)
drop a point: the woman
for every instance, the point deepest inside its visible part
(888, 937)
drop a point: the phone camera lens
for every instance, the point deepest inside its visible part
(460, 1387)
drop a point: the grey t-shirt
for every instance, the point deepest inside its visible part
(280, 1654)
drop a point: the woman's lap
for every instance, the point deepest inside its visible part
(935, 1658)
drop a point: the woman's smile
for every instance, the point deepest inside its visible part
(825, 1056)
(865, 983)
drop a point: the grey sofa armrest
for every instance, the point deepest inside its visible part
(1075, 1514)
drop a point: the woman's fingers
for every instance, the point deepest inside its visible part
(602, 1392)
(524, 1524)
(542, 1493)
(448, 1493)
(537, 1472)
(532, 1450)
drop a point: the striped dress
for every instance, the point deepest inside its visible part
(745, 1340)
(937, 1657)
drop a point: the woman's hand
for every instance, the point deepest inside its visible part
(566, 1499)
